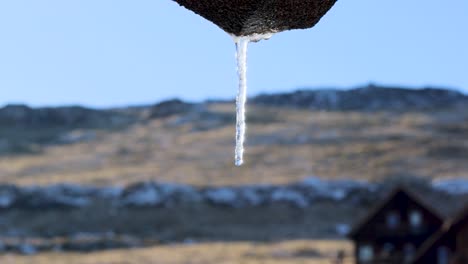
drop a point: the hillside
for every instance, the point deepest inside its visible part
(362, 135)
(367, 133)
(136, 177)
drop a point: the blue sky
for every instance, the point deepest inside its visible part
(115, 52)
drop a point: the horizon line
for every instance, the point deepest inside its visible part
(229, 99)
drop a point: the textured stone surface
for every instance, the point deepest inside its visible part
(247, 17)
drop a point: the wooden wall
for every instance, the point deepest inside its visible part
(462, 243)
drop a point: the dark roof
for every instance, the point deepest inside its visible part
(449, 226)
(376, 210)
(247, 17)
(458, 220)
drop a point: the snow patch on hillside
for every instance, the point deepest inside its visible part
(154, 194)
(455, 186)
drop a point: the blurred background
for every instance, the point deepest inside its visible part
(117, 125)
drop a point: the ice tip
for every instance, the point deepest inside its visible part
(239, 163)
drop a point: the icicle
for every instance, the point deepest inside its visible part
(242, 44)
(241, 48)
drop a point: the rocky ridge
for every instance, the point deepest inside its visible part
(369, 98)
(360, 99)
(155, 194)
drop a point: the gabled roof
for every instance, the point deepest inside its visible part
(449, 226)
(460, 219)
(400, 190)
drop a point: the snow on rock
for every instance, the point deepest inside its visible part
(142, 194)
(169, 194)
(179, 193)
(335, 189)
(254, 195)
(242, 196)
(8, 196)
(27, 249)
(291, 196)
(300, 194)
(54, 196)
(77, 137)
(343, 229)
(454, 186)
(69, 194)
(158, 194)
(222, 196)
(109, 192)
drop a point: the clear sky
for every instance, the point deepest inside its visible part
(119, 52)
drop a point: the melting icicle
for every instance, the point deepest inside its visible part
(242, 44)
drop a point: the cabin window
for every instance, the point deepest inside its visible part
(443, 255)
(366, 253)
(387, 249)
(415, 218)
(393, 220)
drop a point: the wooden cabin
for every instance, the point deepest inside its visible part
(449, 245)
(395, 229)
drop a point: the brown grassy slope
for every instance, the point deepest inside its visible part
(312, 252)
(199, 222)
(282, 146)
